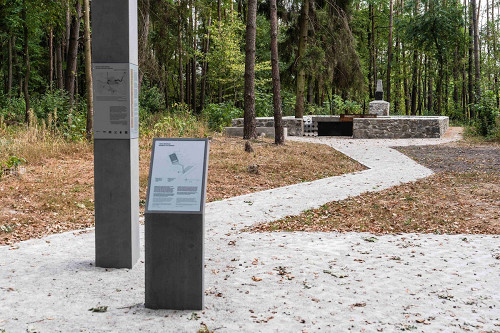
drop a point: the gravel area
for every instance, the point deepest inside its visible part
(273, 282)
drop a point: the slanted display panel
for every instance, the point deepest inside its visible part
(177, 176)
(116, 101)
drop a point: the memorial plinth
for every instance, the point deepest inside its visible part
(174, 224)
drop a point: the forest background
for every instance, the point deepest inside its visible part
(434, 57)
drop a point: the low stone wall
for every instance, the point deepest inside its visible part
(396, 127)
(294, 125)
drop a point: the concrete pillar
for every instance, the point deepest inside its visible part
(116, 145)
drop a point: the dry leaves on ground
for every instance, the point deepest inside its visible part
(56, 194)
(463, 197)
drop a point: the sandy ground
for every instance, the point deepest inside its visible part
(273, 282)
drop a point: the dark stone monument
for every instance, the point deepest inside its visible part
(379, 93)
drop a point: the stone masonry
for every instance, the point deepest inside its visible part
(400, 127)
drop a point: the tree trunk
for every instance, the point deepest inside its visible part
(249, 130)
(59, 66)
(389, 54)
(51, 58)
(373, 50)
(414, 83)
(477, 76)
(278, 126)
(193, 69)
(405, 84)
(370, 70)
(493, 33)
(88, 71)
(144, 10)
(10, 75)
(26, 64)
(73, 53)
(179, 47)
(204, 66)
(301, 74)
(471, 65)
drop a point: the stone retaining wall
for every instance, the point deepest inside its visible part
(295, 126)
(395, 127)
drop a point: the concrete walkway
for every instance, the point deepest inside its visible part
(273, 282)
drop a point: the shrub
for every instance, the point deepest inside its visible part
(486, 114)
(220, 115)
(151, 100)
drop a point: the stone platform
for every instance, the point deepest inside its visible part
(381, 127)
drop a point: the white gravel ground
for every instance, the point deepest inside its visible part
(273, 282)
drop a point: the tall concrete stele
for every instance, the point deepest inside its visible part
(116, 132)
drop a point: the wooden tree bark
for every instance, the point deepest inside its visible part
(10, 65)
(278, 126)
(59, 65)
(144, 10)
(389, 53)
(477, 76)
(194, 67)
(414, 83)
(204, 66)
(180, 52)
(73, 53)
(26, 64)
(493, 33)
(88, 72)
(249, 130)
(301, 73)
(471, 64)
(373, 49)
(51, 57)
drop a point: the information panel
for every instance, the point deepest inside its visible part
(116, 100)
(177, 177)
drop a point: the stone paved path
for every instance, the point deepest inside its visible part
(273, 282)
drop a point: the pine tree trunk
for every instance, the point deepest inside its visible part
(477, 76)
(88, 72)
(389, 54)
(10, 75)
(59, 66)
(194, 67)
(373, 49)
(144, 10)
(405, 84)
(249, 130)
(72, 57)
(370, 69)
(414, 83)
(204, 66)
(278, 126)
(301, 73)
(471, 66)
(180, 52)
(51, 58)
(26, 63)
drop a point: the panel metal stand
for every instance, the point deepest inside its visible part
(116, 146)
(175, 224)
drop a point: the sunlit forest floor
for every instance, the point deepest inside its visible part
(53, 191)
(462, 197)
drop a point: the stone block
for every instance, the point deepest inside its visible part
(266, 131)
(380, 108)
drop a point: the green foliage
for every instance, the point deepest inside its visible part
(151, 100)
(220, 115)
(12, 163)
(486, 122)
(179, 122)
(345, 106)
